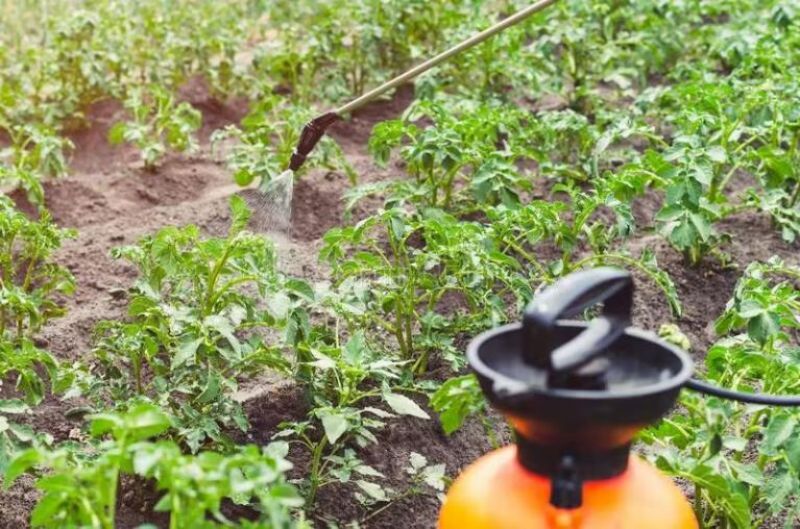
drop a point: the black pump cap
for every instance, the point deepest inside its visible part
(596, 388)
(574, 364)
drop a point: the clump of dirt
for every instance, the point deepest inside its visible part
(217, 113)
(92, 152)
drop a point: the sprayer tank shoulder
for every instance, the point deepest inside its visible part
(497, 492)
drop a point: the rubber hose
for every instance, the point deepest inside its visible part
(750, 398)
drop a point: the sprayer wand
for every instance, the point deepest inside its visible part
(315, 129)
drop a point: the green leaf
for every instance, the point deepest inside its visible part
(368, 471)
(778, 431)
(683, 236)
(286, 495)
(116, 134)
(778, 489)
(717, 154)
(747, 473)
(404, 406)
(434, 476)
(13, 406)
(670, 213)
(761, 327)
(335, 425)
(702, 226)
(23, 462)
(42, 515)
(225, 328)
(103, 423)
(145, 460)
(355, 349)
(735, 505)
(22, 432)
(793, 453)
(372, 490)
(212, 389)
(418, 461)
(240, 214)
(186, 351)
(279, 304)
(146, 421)
(300, 288)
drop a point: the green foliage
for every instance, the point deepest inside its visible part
(261, 147)
(459, 162)
(743, 460)
(158, 123)
(80, 489)
(768, 312)
(335, 49)
(31, 284)
(687, 218)
(141, 53)
(456, 400)
(33, 152)
(196, 326)
(394, 271)
(534, 155)
(578, 229)
(343, 383)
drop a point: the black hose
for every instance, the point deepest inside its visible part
(751, 398)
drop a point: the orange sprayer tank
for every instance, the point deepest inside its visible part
(497, 492)
(576, 394)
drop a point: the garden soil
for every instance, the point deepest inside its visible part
(112, 201)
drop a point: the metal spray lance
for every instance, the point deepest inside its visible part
(316, 128)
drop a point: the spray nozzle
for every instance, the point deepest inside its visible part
(309, 138)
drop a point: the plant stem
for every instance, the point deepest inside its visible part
(698, 504)
(175, 508)
(421, 365)
(212, 279)
(488, 428)
(316, 462)
(394, 501)
(230, 284)
(717, 187)
(528, 257)
(112, 497)
(449, 187)
(795, 195)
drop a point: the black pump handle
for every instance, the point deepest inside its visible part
(571, 296)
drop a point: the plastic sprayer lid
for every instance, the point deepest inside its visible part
(576, 383)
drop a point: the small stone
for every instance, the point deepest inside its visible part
(117, 293)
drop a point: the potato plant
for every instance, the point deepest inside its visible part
(394, 271)
(138, 53)
(80, 488)
(260, 148)
(462, 161)
(196, 326)
(158, 123)
(350, 387)
(31, 286)
(712, 443)
(33, 152)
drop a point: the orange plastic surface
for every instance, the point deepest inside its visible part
(496, 492)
